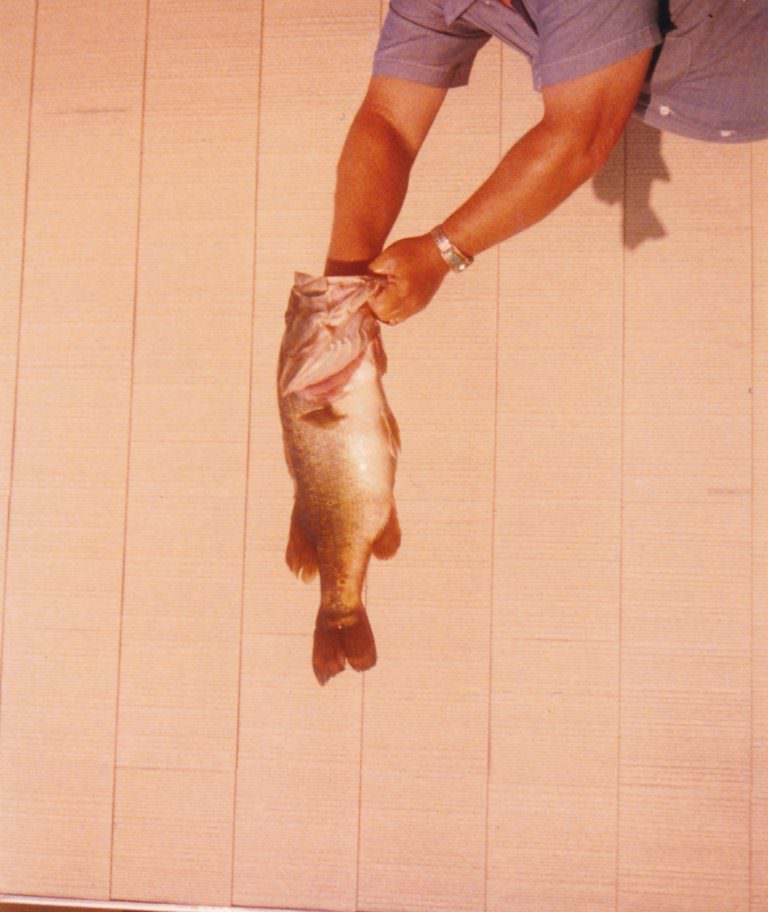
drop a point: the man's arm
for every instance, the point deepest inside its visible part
(582, 122)
(375, 164)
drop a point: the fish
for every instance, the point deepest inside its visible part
(341, 442)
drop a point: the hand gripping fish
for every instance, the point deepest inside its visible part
(341, 443)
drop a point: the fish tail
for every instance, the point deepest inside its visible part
(341, 638)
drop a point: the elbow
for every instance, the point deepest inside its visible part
(588, 151)
(585, 142)
(601, 144)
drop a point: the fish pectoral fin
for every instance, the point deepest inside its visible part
(391, 429)
(300, 554)
(388, 540)
(322, 417)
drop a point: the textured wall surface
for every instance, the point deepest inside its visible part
(570, 709)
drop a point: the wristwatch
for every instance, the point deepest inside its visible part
(457, 260)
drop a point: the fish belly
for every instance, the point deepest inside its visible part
(344, 466)
(344, 485)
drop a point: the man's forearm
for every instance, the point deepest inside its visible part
(371, 183)
(543, 168)
(583, 120)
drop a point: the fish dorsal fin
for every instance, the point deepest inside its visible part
(391, 429)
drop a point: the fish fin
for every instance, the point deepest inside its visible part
(339, 639)
(333, 385)
(379, 355)
(328, 658)
(359, 644)
(391, 429)
(318, 362)
(388, 540)
(322, 417)
(300, 554)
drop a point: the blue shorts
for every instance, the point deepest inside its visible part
(708, 79)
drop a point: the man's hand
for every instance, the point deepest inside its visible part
(415, 270)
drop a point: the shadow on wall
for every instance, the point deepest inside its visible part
(630, 184)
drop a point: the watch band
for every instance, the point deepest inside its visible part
(457, 260)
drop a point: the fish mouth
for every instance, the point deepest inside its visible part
(329, 328)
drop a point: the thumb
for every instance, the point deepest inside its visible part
(382, 264)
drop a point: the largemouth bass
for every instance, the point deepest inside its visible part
(341, 443)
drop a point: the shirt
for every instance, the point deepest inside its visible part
(708, 78)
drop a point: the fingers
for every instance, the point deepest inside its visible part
(414, 270)
(385, 304)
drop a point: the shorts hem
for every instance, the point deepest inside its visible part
(421, 73)
(596, 58)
